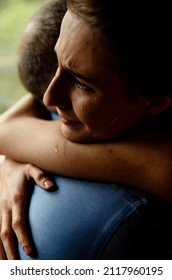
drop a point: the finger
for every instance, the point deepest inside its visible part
(2, 252)
(1, 159)
(21, 230)
(7, 236)
(40, 178)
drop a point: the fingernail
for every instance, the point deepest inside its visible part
(27, 250)
(48, 183)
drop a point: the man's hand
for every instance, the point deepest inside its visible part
(15, 190)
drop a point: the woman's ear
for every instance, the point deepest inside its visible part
(159, 104)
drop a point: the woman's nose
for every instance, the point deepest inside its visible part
(57, 93)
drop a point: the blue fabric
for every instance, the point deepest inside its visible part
(95, 220)
(78, 219)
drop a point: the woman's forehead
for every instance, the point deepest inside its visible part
(80, 48)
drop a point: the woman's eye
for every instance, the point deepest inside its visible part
(82, 86)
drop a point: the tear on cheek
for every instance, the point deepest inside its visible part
(114, 120)
(56, 149)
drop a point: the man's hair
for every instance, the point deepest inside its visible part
(141, 32)
(37, 60)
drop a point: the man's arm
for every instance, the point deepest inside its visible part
(142, 160)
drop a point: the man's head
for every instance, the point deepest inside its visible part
(37, 60)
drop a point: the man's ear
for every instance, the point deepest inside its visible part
(159, 104)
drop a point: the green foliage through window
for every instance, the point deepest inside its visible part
(14, 15)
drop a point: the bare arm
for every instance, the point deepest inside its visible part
(140, 161)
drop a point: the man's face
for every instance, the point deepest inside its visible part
(89, 98)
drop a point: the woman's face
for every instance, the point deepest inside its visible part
(89, 98)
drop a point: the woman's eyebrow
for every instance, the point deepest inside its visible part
(80, 76)
(75, 74)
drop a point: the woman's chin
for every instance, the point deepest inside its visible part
(79, 133)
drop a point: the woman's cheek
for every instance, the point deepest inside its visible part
(82, 109)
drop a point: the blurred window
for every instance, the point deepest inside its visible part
(14, 15)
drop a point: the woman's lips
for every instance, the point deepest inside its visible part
(66, 121)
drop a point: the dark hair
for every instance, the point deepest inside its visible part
(141, 32)
(37, 59)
